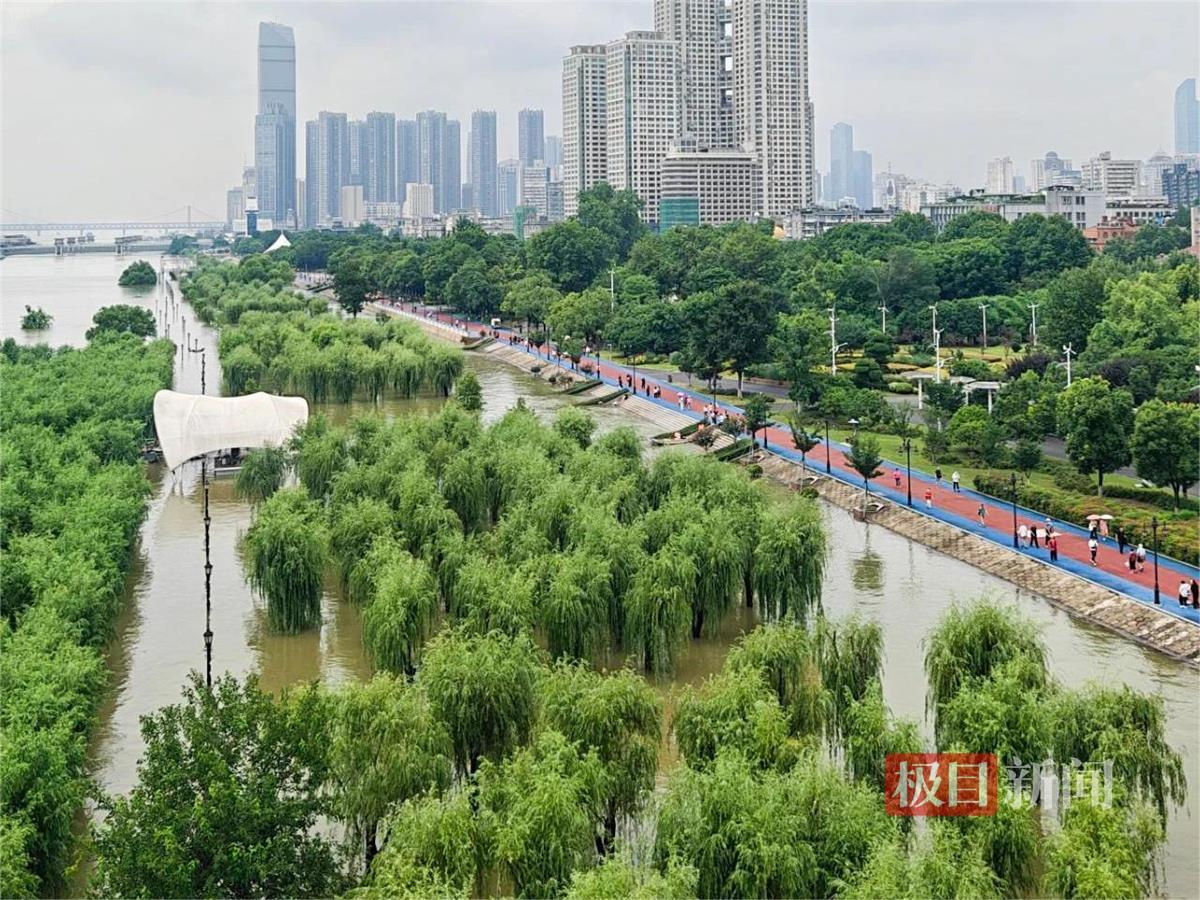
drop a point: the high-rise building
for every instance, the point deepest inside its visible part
(1187, 118)
(356, 128)
(530, 136)
(408, 156)
(275, 123)
(419, 204)
(378, 158)
(452, 167)
(235, 208)
(1150, 180)
(1053, 171)
(701, 30)
(333, 164)
(1000, 175)
(312, 166)
(1181, 185)
(643, 115)
(250, 183)
(862, 179)
(351, 204)
(554, 201)
(553, 155)
(508, 177)
(585, 122)
(1114, 177)
(772, 112)
(534, 189)
(709, 187)
(481, 161)
(841, 163)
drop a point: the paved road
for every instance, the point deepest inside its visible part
(959, 509)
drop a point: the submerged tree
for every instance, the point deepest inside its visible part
(401, 614)
(285, 552)
(789, 561)
(262, 474)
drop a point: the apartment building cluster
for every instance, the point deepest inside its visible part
(707, 118)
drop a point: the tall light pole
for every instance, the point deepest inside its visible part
(203, 363)
(833, 344)
(937, 347)
(883, 319)
(1154, 531)
(984, 308)
(612, 290)
(1067, 349)
(208, 634)
(1012, 481)
(1033, 308)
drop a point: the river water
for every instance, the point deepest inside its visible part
(876, 573)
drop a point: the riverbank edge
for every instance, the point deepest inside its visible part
(1109, 609)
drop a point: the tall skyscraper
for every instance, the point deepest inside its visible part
(530, 136)
(772, 111)
(862, 180)
(1000, 175)
(481, 160)
(508, 177)
(643, 113)
(585, 121)
(701, 29)
(312, 168)
(841, 162)
(275, 123)
(553, 154)
(1187, 118)
(379, 177)
(1116, 177)
(452, 167)
(408, 156)
(333, 164)
(356, 128)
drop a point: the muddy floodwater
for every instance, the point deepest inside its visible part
(873, 572)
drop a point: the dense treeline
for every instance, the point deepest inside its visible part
(281, 341)
(72, 495)
(138, 274)
(495, 771)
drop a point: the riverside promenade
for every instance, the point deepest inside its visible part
(1090, 591)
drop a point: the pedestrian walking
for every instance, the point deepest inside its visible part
(1023, 535)
(896, 477)
(954, 479)
(1093, 545)
(982, 513)
(1141, 557)
(1122, 542)
(937, 475)
(1195, 594)
(929, 498)
(1132, 560)
(1052, 546)
(1185, 594)
(1093, 531)
(1033, 536)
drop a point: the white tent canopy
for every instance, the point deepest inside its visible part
(190, 425)
(280, 243)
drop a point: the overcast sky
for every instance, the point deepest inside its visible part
(131, 110)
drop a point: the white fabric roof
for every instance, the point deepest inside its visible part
(190, 425)
(280, 243)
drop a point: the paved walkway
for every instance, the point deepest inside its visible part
(958, 509)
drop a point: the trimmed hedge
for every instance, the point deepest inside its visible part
(1180, 538)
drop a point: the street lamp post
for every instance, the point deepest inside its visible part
(854, 423)
(828, 468)
(908, 466)
(1154, 531)
(1069, 351)
(1012, 483)
(984, 308)
(208, 633)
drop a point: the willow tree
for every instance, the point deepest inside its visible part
(1104, 851)
(354, 528)
(484, 689)
(386, 747)
(262, 474)
(286, 552)
(789, 561)
(617, 716)
(574, 608)
(787, 657)
(942, 863)
(658, 609)
(718, 557)
(435, 849)
(735, 710)
(320, 456)
(401, 614)
(851, 658)
(970, 641)
(869, 733)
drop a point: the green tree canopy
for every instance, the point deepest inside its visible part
(1096, 422)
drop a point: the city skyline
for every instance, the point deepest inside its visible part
(206, 77)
